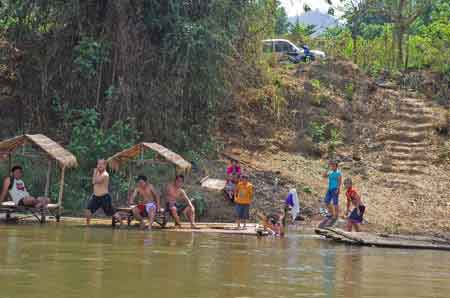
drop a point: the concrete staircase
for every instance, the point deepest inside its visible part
(407, 141)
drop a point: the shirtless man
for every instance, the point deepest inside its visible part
(174, 192)
(18, 191)
(101, 197)
(149, 206)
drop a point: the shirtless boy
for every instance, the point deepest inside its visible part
(101, 197)
(175, 192)
(150, 203)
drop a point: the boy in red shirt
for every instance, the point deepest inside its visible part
(356, 216)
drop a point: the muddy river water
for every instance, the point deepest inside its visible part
(69, 261)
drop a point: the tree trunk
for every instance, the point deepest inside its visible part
(355, 48)
(401, 34)
(406, 52)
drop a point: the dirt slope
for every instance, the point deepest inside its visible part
(389, 143)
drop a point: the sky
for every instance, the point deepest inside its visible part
(295, 7)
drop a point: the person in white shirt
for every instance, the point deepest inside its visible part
(17, 190)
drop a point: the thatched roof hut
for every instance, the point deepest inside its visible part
(54, 151)
(121, 158)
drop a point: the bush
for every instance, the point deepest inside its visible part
(317, 131)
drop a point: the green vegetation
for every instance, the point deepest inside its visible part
(101, 75)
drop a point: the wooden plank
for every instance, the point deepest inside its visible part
(214, 184)
(368, 239)
(47, 178)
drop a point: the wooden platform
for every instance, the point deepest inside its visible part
(384, 240)
(10, 208)
(204, 227)
(213, 184)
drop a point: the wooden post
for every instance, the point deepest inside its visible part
(9, 161)
(61, 191)
(47, 181)
(130, 178)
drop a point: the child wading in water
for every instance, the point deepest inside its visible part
(275, 223)
(356, 216)
(332, 196)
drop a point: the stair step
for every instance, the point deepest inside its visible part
(414, 128)
(408, 157)
(414, 118)
(412, 101)
(407, 150)
(406, 170)
(407, 144)
(409, 163)
(410, 137)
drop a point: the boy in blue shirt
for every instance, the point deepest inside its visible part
(334, 185)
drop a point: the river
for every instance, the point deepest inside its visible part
(69, 261)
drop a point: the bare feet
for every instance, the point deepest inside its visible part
(194, 227)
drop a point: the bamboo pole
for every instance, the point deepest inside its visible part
(47, 180)
(9, 161)
(61, 187)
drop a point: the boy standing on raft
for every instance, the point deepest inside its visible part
(353, 198)
(332, 196)
(149, 206)
(243, 199)
(101, 197)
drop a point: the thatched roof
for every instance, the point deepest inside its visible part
(126, 155)
(51, 148)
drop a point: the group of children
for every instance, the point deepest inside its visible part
(355, 217)
(177, 201)
(240, 191)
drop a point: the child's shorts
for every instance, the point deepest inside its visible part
(354, 217)
(332, 196)
(242, 211)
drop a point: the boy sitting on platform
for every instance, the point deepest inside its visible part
(150, 204)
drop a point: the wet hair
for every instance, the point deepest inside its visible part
(179, 176)
(348, 181)
(16, 168)
(141, 177)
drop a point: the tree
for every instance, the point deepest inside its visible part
(353, 12)
(281, 21)
(402, 13)
(300, 33)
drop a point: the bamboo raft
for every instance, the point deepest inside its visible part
(384, 240)
(203, 227)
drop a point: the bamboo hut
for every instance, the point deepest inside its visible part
(53, 152)
(136, 154)
(137, 151)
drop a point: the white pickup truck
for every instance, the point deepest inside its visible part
(284, 46)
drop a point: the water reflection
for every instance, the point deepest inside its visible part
(77, 262)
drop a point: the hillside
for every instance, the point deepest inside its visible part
(389, 142)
